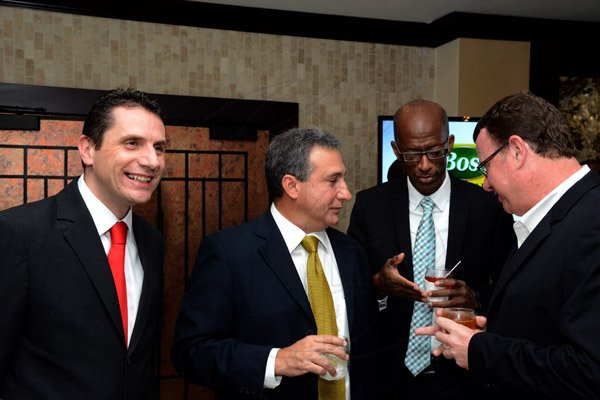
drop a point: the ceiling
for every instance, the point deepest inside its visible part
(430, 10)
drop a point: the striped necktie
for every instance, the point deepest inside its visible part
(418, 354)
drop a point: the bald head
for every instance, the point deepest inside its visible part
(421, 112)
(422, 126)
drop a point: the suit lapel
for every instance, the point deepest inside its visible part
(274, 251)
(82, 236)
(346, 267)
(400, 211)
(515, 262)
(457, 222)
(149, 277)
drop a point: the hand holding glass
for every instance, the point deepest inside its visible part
(432, 275)
(341, 366)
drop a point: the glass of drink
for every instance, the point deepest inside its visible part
(463, 316)
(341, 366)
(432, 275)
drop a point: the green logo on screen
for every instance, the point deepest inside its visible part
(463, 161)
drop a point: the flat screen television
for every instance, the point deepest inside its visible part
(462, 161)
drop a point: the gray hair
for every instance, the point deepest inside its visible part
(289, 153)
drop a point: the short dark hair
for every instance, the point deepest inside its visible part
(532, 118)
(100, 117)
(289, 153)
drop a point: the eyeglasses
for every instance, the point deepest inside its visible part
(481, 166)
(415, 156)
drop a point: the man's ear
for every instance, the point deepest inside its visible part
(86, 150)
(290, 186)
(450, 143)
(394, 148)
(518, 149)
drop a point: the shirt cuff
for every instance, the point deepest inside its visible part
(271, 381)
(382, 303)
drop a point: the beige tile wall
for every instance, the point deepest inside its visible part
(340, 86)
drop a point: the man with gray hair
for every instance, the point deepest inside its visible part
(269, 301)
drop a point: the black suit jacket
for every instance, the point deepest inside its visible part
(480, 236)
(544, 316)
(245, 297)
(61, 335)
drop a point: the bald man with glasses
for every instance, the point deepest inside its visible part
(469, 226)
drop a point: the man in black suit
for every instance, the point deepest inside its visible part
(542, 325)
(248, 327)
(69, 330)
(470, 227)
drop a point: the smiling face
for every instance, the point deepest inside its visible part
(319, 199)
(420, 129)
(127, 167)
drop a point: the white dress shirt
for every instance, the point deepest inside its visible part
(292, 236)
(441, 215)
(527, 223)
(104, 219)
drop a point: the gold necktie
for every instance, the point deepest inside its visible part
(321, 303)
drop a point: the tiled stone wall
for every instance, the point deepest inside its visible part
(340, 86)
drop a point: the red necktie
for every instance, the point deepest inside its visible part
(116, 259)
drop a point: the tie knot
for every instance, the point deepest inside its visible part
(118, 233)
(427, 204)
(310, 243)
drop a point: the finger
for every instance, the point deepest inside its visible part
(481, 321)
(446, 282)
(437, 351)
(447, 353)
(398, 258)
(329, 365)
(330, 340)
(399, 279)
(337, 351)
(426, 330)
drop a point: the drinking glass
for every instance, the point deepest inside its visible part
(432, 275)
(341, 366)
(463, 316)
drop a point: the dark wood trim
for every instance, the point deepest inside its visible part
(227, 118)
(558, 47)
(251, 19)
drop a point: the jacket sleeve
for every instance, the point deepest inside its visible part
(13, 291)
(568, 367)
(205, 349)
(357, 228)
(503, 242)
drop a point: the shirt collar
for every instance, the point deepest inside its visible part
(528, 222)
(103, 218)
(440, 197)
(293, 235)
